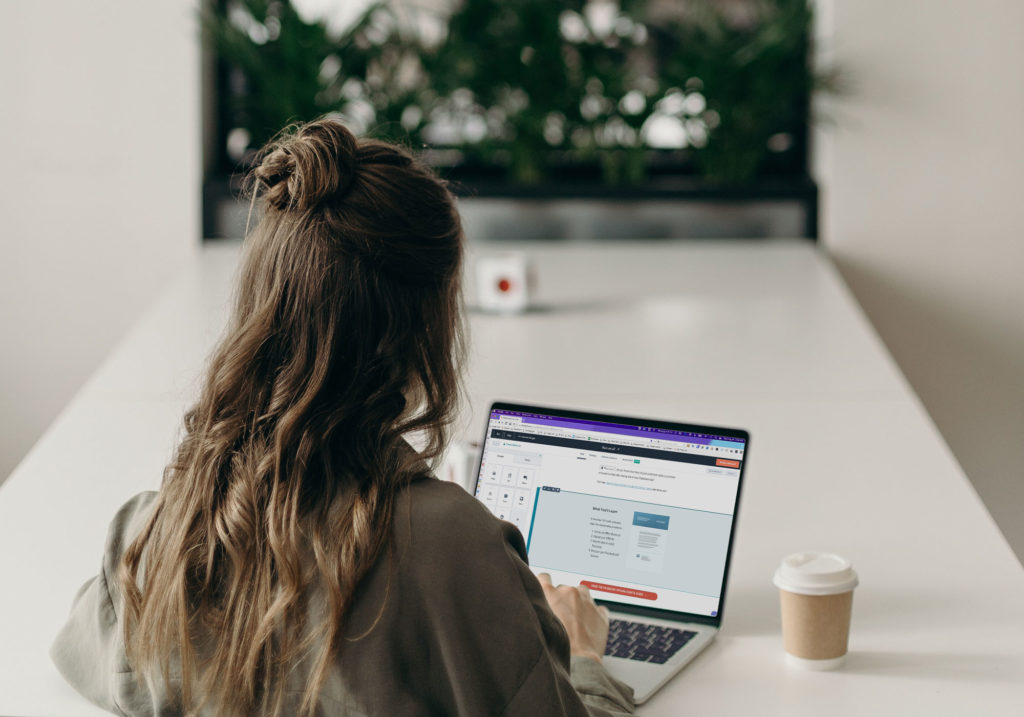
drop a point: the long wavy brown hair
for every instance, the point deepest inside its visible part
(346, 338)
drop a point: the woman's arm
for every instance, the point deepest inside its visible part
(576, 631)
(466, 623)
(89, 650)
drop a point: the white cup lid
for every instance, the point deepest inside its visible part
(815, 574)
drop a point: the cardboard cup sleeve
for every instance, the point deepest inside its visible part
(816, 627)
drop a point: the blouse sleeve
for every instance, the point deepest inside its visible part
(89, 649)
(582, 685)
(471, 622)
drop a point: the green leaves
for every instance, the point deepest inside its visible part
(754, 75)
(538, 85)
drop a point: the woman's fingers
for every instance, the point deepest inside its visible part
(580, 591)
(585, 622)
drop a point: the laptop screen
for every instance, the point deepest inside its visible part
(641, 512)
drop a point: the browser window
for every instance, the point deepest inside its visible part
(639, 514)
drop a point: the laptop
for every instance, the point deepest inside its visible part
(642, 512)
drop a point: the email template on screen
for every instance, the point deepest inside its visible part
(640, 514)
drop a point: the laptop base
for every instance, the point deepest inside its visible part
(646, 678)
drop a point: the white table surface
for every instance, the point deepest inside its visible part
(759, 335)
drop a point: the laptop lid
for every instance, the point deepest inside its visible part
(641, 511)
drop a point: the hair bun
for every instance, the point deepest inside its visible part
(301, 168)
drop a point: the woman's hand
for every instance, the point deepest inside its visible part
(586, 623)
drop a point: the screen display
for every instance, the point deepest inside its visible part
(639, 514)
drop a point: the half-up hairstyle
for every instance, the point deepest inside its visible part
(346, 337)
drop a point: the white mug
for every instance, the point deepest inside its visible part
(504, 282)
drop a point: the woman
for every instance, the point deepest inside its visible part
(299, 557)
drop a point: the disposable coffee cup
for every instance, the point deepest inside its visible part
(816, 595)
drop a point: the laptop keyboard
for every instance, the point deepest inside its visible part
(646, 643)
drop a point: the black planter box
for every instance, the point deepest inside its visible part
(578, 207)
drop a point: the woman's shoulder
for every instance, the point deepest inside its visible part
(435, 518)
(129, 518)
(125, 526)
(444, 510)
(433, 498)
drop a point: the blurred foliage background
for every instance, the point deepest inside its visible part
(527, 91)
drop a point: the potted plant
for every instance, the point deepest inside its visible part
(541, 97)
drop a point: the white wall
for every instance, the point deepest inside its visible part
(99, 188)
(921, 178)
(923, 210)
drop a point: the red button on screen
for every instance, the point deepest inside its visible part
(619, 590)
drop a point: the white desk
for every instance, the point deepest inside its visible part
(757, 335)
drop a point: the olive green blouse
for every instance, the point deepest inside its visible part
(463, 628)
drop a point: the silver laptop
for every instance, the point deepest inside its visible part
(642, 512)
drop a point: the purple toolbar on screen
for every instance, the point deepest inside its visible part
(621, 429)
